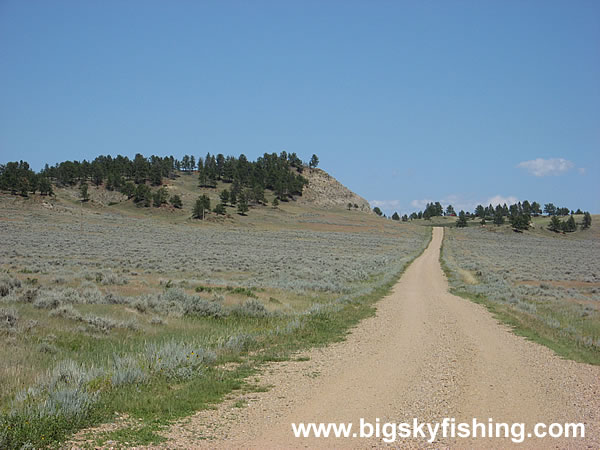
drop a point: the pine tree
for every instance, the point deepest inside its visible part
(175, 200)
(555, 224)
(275, 202)
(128, 189)
(570, 225)
(461, 222)
(83, 192)
(587, 220)
(45, 186)
(519, 221)
(201, 207)
(395, 216)
(224, 195)
(219, 209)
(242, 204)
(160, 197)
(498, 216)
(314, 162)
(377, 211)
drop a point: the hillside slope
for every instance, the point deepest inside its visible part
(325, 191)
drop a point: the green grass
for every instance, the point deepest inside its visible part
(527, 325)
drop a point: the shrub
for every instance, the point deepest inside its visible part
(48, 300)
(239, 342)
(127, 370)
(156, 320)
(113, 278)
(176, 360)
(67, 312)
(8, 318)
(200, 307)
(251, 308)
(7, 284)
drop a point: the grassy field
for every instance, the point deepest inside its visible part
(108, 310)
(546, 285)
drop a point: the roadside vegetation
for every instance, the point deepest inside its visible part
(111, 313)
(546, 287)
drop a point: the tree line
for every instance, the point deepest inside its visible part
(136, 177)
(518, 215)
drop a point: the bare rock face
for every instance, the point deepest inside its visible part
(324, 190)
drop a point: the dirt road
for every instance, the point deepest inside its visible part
(426, 354)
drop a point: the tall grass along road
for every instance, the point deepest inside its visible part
(426, 354)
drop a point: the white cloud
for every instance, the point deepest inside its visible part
(501, 200)
(385, 204)
(541, 167)
(420, 203)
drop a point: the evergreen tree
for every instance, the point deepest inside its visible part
(461, 222)
(404, 218)
(224, 196)
(232, 197)
(480, 211)
(201, 207)
(314, 162)
(519, 221)
(377, 211)
(83, 192)
(258, 193)
(219, 209)
(498, 216)
(587, 220)
(550, 209)
(555, 224)
(128, 189)
(450, 211)
(175, 200)
(143, 195)
(569, 225)
(395, 216)
(45, 186)
(526, 208)
(275, 202)
(349, 206)
(160, 197)
(242, 204)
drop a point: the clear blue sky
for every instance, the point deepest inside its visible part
(404, 102)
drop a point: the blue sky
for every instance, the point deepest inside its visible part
(404, 102)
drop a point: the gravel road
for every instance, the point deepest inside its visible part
(426, 354)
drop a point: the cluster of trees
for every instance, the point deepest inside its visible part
(569, 225)
(518, 215)
(136, 177)
(278, 173)
(273, 172)
(202, 205)
(18, 178)
(113, 173)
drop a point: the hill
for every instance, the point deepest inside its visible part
(325, 191)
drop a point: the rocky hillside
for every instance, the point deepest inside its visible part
(324, 190)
